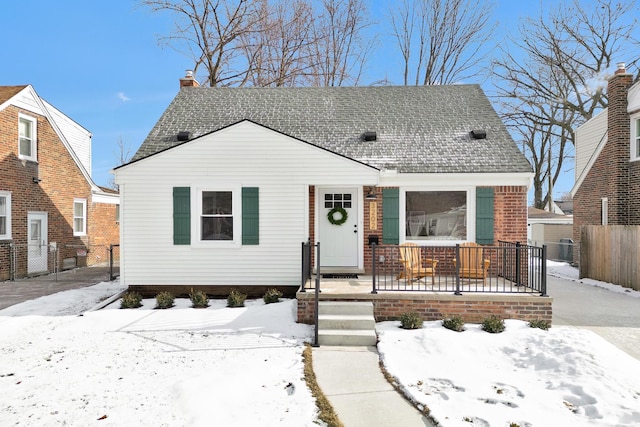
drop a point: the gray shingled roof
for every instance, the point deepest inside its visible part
(419, 128)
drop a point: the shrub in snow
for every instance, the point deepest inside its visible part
(540, 324)
(455, 323)
(199, 299)
(236, 298)
(493, 324)
(410, 320)
(272, 295)
(131, 300)
(164, 300)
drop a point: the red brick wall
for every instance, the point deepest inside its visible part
(611, 176)
(61, 182)
(103, 231)
(368, 230)
(472, 308)
(510, 214)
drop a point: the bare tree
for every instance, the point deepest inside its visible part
(340, 49)
(270, 42)
(123, 155)
(441, 41)
(553, 79)
(209, 32)
(279, 48)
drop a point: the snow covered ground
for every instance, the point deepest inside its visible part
(143, 367)
(243, 367)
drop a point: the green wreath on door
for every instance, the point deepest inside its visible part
(342, 218)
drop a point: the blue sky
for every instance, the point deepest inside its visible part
(99, 62)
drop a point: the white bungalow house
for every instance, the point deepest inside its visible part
(230, 181)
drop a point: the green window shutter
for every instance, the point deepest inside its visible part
(391, 216)
(250, 216)
(484, 216)
(181, 216)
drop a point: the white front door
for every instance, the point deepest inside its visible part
(37, 239)
(339, 243)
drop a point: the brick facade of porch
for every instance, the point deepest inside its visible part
(473, 308)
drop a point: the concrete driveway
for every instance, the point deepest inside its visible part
(614, 316)
(15, 292)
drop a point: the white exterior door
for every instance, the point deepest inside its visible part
(38, 250)
(338, 243)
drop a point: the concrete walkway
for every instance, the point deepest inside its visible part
(351, 379)
(612, 315)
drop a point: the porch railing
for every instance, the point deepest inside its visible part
(510, 267)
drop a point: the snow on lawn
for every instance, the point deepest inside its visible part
(560, 377)
(243, 367)
(175, 367)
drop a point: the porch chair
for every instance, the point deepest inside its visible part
(413, 266)
(473, 265)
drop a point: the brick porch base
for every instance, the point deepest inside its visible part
(472, 307)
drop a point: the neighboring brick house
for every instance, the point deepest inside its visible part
(607, 188)
(230, 181)
(52, 214)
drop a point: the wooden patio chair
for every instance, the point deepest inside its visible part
(413, 266)
(473, 265)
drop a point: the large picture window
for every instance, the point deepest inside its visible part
(216, 220)
(436, 215)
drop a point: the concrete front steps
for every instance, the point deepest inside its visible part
(346, 323)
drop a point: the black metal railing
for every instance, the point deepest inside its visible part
(306, 266)
(307, 283)
(510, 267)
(114, 262)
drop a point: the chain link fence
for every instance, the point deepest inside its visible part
(18, 261)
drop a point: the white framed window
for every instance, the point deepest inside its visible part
(219, 216)
(5, 215)
(79, 217)
(436, 215)
(635, 139)
(605, 210)
(27, 137)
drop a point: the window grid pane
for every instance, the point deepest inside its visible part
(216, 221)
(25, 130)
(78, 217)
(3, 215)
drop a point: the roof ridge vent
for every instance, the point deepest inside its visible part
(369, 136)
(478, 134)
(184, 136)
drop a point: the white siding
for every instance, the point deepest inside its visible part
(25, 99)
(633, 98)
(78, 137)
(244, 155)
(588, 137)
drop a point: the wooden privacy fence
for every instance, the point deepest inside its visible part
(610, 253)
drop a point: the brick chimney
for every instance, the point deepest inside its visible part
(188, 80)
(618, 140)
